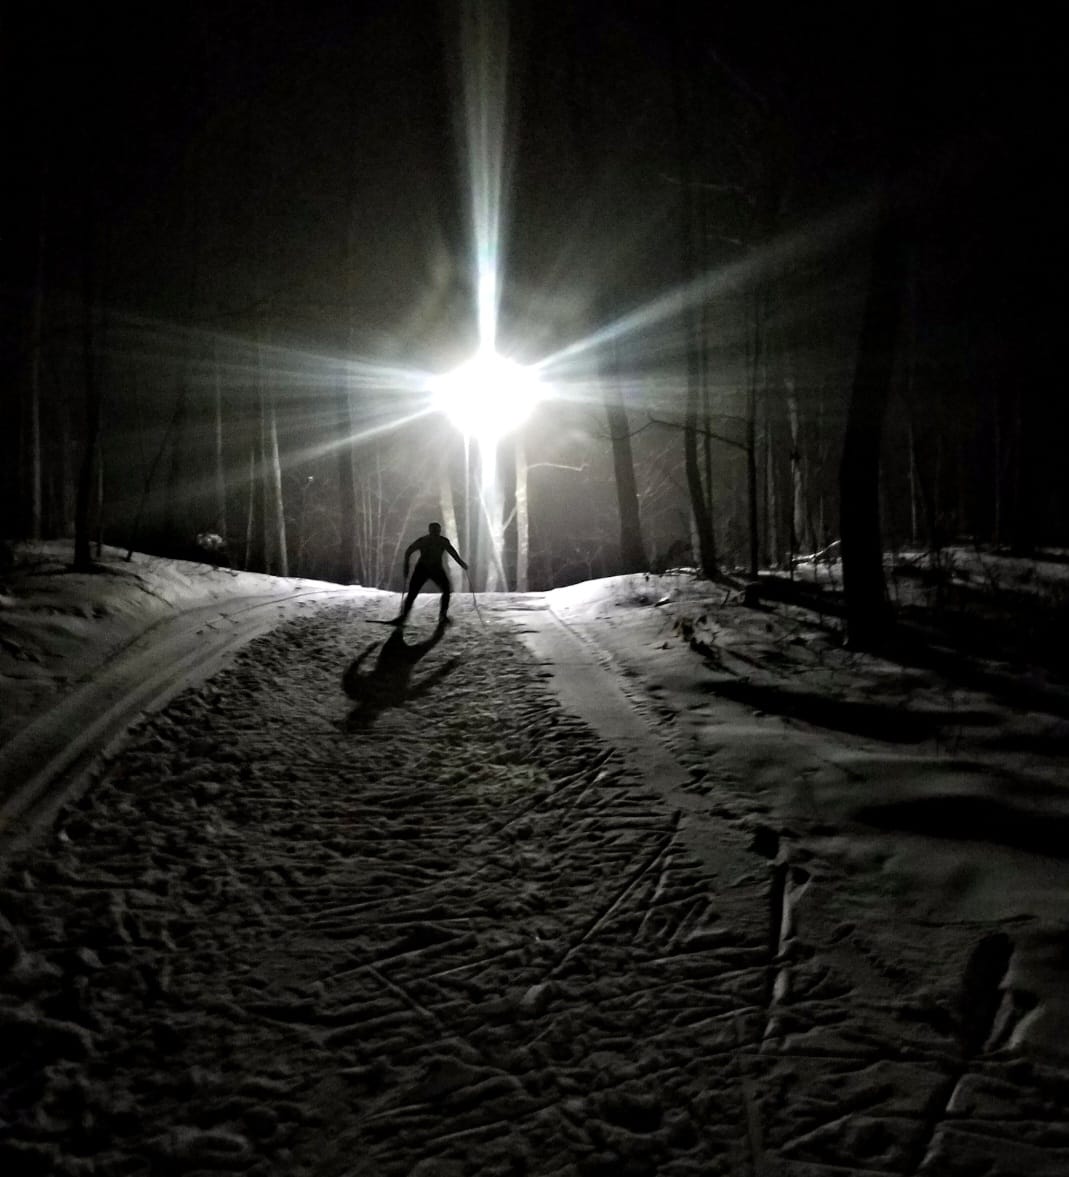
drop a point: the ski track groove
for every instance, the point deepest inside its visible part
(458, 930)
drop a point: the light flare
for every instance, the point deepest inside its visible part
(484, 53)
(486, 398)
(654, 320)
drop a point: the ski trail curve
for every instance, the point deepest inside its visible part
(48, 761)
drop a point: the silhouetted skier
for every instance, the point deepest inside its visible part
(431, 547)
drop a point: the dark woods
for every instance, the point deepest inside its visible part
(831, 241)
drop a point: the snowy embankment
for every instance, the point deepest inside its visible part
(58, 627)
(948, 790)
(82, 655)
(622, 878)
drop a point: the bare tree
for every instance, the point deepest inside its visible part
(276, 559)
(445, 498)
(87, 474)
(523, 522)
(632, 552)
(756, 358)
(346, 565)
(868, 613)
(175, 518)
(219, 459)
(689, 147)
(32, 454)
(801, 540)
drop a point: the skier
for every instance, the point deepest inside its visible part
(431, 547)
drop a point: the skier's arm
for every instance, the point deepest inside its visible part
(455, 554)
(412, 547)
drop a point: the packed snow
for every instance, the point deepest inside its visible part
(632, 877)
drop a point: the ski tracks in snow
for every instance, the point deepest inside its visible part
(453, 931)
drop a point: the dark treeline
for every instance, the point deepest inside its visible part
(234, 238)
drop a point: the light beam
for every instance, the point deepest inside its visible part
(486, 398)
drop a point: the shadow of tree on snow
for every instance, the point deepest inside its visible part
(986, 819)
(388, 683)
(892, 723)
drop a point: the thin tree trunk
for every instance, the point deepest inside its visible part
(688, 126)
(1023, 514)
(98, 499)
(280, 563)
(772, 551)
(698, 504)
(523, 523)
(751, 448)
(250, 515)
(384, 564)
(267, 537)
(83, 560)
(33, 439)
(799, 526)
(632, 554)
(822, 448)
(445, 501)
(66, 480)
(868, 615)
(220, 458)
(492, 504)
(346, 570)
(914, 529)
(175, 528)
(909, 365)
(964, 524)
(150, 473)
(707, 455)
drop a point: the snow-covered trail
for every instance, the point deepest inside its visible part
(51, 754)
(455, 921)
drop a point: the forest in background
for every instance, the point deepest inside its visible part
(815, 256)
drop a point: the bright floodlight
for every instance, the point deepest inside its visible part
(487, 397)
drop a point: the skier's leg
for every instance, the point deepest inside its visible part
(442, 581)
(419, 575)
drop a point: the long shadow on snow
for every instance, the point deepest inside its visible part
(388, 683)
(959, 644)
(877, 720)
(986, 819)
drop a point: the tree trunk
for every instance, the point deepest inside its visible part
(632, 554)
(220, 458)
(445, 501)
(914, 493)
(83, 507)
(35, 523)
(254, 533)
(150, 470)
(707, 443)
(176, 529)
(689, 127)
(491, 500)
(65, 481)
(98, 499)
(772, 540)
(909, 366)
(1023, 517)
(698, 503)
(868, 614)
(523, 522)
(751, 449)
(800, 540)
(346, 569)
(275, 509)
